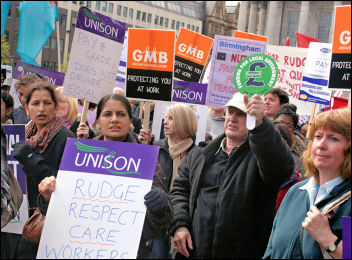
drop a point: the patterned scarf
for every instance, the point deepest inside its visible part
(42, 138)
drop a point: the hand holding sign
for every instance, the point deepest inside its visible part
(255, 109)
(255, 74)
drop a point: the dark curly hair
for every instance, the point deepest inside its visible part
(290, 111)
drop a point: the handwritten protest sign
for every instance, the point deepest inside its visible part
(97, 209)
(290, 62)
(54, 77)
(189, 92)
(15, 134)
(150, 64)
(316, 74)
(340, 75)
(95, 55)
(160, 113)
(191, 54)
(227, 53)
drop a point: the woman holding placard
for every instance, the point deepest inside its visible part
(41, 154)
(180, 125)
(308, 223)
(114, 117)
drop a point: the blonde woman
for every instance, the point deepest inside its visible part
(300, 229)
(67, 108)
(180, 125)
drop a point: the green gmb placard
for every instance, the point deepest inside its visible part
(256, 74)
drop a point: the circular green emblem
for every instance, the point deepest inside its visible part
(256, 74)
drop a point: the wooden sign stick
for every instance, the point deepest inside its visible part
(311, 119)
(146, 118)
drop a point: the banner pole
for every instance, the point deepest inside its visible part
(84, 111)
(58, 46)
(141, 104)
(311, 119)
(146, 118)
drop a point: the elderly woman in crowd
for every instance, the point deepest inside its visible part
(114, 117)
(180, 125)
(287, 115)
(67, 108)
(300, 229)
(41, 154)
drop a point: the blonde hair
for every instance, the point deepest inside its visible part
(184, 118)
(73, 102)
(339, 121)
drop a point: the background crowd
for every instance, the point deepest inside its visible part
(241, 193)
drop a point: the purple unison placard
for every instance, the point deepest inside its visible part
(101, 25)
(15, 134)
(54, 77)
(346, 237)
(189, 92)
(110, 158)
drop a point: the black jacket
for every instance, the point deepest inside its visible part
(45, 165)
(247, 192)
(165, 159)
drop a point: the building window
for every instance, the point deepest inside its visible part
(61, 44)
(156, 19)
(324, 26)
(173, 24)
(182, 24)
(111, 6)
(130, 14)
(53, 43)
(192, 27)
(174, 7)
(89, 4)
(177, 25)
(97, 5)
(124, 13)
(47, 44)
(166, 22)
(197, 29)
(292, 26)
(74, 22)
(161, 22)
(149, 18)
(103, 6)
(81, 3)
(159, 3)
(118, 10)
(138, 15)
(188, 26)
(62, 19)
(144, 17)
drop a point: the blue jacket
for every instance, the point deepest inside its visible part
(284, 242)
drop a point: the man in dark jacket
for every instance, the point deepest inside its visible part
(224, 199)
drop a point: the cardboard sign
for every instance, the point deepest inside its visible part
(340, 75)
(52, 76)
(15, 134)
(316, 74)
(160, 113)
(189, 92)
(255, 74)
(97, 209)
(150, 64)
(250, 36)
(191, 54)
(95, 56)
(227, 53)
(291, 62)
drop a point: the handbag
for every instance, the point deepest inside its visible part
(32, 229)
(331, 206)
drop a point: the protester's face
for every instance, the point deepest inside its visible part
(41, 107)
(114, 121)
(235, 124)
(22, 95)
(168, 124)
(63, 106)
(3, 112)
(287, 121)
(328, 150)
(272, 105)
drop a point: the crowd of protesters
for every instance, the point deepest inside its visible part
(238, 194)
